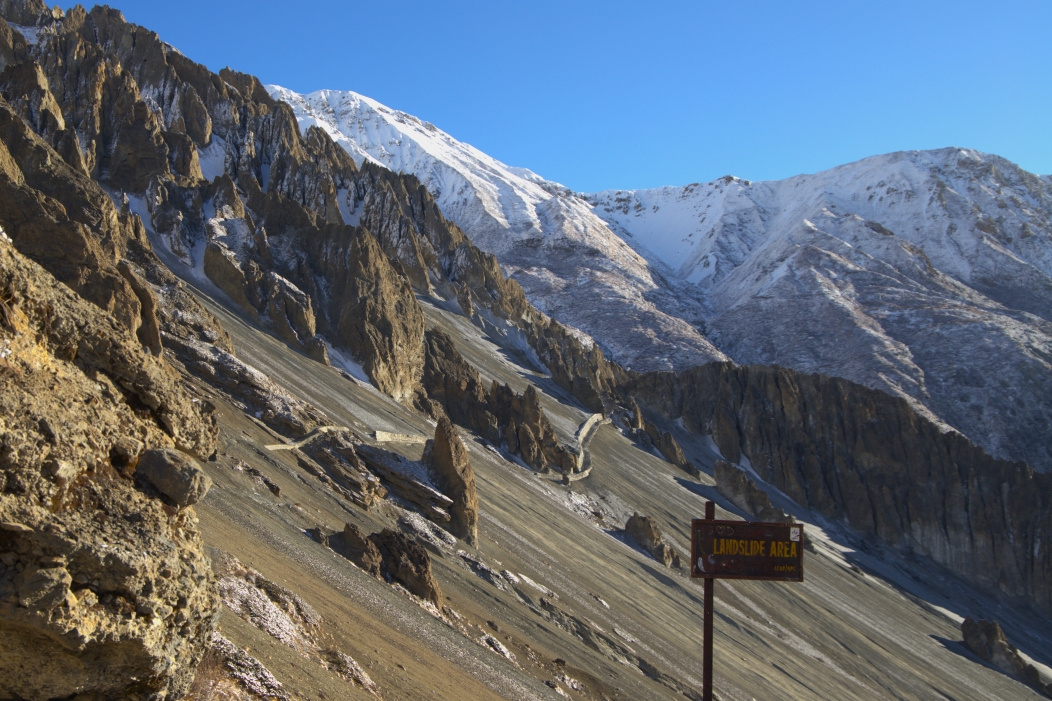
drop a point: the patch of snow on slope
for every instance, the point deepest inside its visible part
(213, 158)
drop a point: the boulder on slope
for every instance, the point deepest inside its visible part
(733, 483)
(645, 532)
(407, 562)
(987, 640)
(175, 475)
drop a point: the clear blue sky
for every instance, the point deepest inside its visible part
(615, 94)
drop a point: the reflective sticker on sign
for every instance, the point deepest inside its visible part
(794, 534)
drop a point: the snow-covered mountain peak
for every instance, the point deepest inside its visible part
(535, 226)
(953, 202)
(469, 186)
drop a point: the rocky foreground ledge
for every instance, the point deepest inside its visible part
(105, 592)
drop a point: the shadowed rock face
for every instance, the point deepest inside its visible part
(449, 461)
(865, 457)
(81, 610)
(733, 483)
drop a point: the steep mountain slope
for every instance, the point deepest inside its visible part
(925, 275)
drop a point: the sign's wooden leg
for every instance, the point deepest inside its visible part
(706, 646)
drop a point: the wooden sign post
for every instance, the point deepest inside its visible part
(740, 550)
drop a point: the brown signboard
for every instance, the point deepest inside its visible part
(745, 550)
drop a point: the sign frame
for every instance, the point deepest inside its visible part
(752, 533)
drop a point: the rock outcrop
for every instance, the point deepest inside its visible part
(246, 386)
(649, 436)
(83, 609)
(647, 535)
(867, 458)
(407, 562)
(733, 483)
(409, 480)
(343, 470)
(669, 448)
(988, 641)
(448, 459)
(355, 546)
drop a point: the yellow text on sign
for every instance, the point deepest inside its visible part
(753, 548)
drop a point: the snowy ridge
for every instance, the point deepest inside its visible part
(493, 200)
(925, 274)
(906, 192)
(569, 262)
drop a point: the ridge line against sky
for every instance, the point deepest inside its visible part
(622, 95)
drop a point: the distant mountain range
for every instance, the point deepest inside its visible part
(925, 274)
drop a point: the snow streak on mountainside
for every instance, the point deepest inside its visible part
(568, 261)
(924, 274)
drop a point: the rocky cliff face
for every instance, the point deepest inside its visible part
(283, 222)
(869, 459)
(83, 608)
(925, 274)
(112, 143)
(499, 414)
